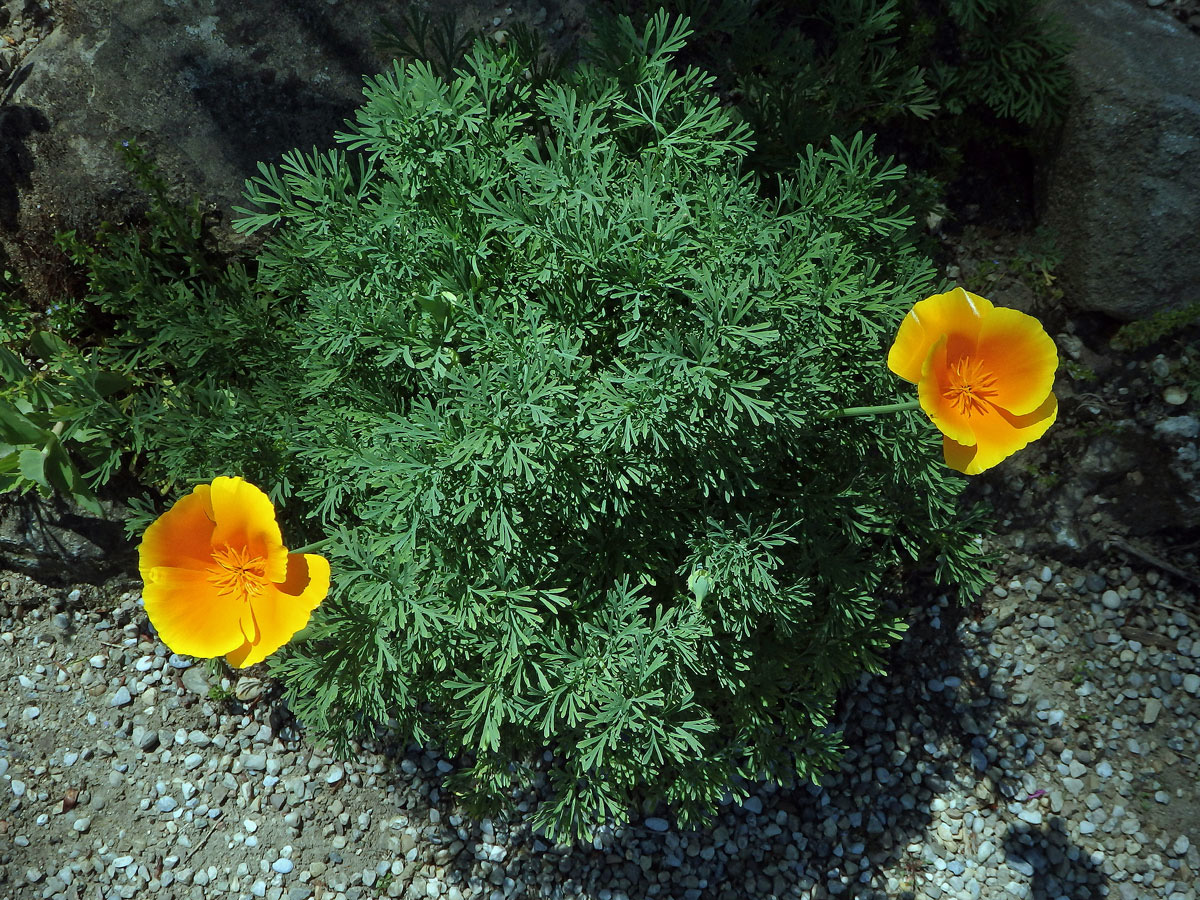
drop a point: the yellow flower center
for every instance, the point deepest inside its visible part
(971, 386)
(235, 571)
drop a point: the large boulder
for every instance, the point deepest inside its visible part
(1123, 191)
(209, 87)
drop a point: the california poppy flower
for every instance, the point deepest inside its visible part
(984, 375)
(218, 579)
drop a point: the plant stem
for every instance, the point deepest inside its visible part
(315, 545)
(871, 410)
(57, 431)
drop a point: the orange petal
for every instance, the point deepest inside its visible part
(932, 389)
(181, 537)
(1017, 351)
(189, 614)
(956, 313)
(246, 518)
(1000, 434)
(283, 609)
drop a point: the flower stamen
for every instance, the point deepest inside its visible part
(238, 573)
(971, 386)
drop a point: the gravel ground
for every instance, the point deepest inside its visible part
(1040, 745)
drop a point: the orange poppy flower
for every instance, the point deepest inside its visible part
(984, 375)
(218, 579)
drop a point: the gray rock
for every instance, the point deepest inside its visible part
(145, 739)
(1125, 228)
(195, 680)
(1178, 428)
(1020, 865)
(255, 762)
(979, 759)
(1175, 395)
(654, 823)
(1150, 712)
(986, 849)
(214, 88)
(121, 697)
(39, 535)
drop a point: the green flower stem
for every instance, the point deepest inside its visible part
(313, 547)
(871, 410)
(57, 431)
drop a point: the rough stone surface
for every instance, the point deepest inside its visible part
(37, 536)
(1123, 193)
(210, 88)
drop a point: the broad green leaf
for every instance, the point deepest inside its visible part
(47, 345)
(109, 383)
(33, 466)
(65, 477)
(15, 428)
(12, 368)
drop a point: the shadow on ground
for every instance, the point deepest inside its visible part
(923, 735)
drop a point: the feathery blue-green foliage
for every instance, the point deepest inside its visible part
(547, 368)
(561, 362)
(927, 73)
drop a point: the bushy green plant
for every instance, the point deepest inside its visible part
(549, 372)
(1006, 56)
(1143, 333)
(922, 72)
(59, 410)
(191, 332)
